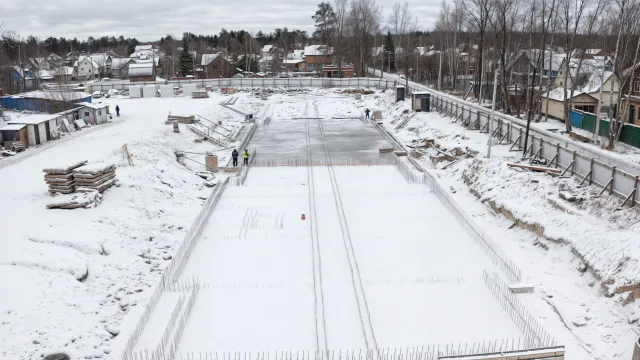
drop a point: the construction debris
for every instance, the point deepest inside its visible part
(60, 179)
(97, 177)
(535, 168)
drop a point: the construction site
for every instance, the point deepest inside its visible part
(343, 237)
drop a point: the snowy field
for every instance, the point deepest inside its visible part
(377, 263)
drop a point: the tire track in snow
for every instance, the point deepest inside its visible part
(356, 280)
(321, 331)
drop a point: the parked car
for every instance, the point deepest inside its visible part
(96, 94)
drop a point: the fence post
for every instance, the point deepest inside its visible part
(557, 154)
(635, 188)
(573, 163)
(591, 171)
(613, 178)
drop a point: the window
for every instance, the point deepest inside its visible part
(81, 69)
(99, 112)
(636, 86)
(560, 72)
(560, 83)
(86, 113)
(586, 108)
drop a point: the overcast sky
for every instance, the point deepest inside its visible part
(152, 19)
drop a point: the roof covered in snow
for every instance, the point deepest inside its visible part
(118, 63)
(143, 47)
(46, 74)
(98, 106)
(208, 58)
(558, 94)
(12, 127)
(31, 119)
(317, 50)
(52, 95)
(596, 80)
(64, 71)
(143, 69)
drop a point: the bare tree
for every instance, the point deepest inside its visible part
(450, 23)
(506, 16)
(479, 11)
(364, 20)
(340, 46)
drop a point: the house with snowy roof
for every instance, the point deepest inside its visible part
(213, 66)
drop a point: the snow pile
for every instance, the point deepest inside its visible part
(585, 221)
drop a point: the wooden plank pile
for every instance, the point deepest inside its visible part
(61, 179)
(96, 177)
(181, 119)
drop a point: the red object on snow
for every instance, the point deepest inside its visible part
(303, 217)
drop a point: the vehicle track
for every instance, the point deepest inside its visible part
(356, 280)
(321, 332)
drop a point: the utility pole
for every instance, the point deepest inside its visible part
(440, 73)
(493, 112)
(596, 134)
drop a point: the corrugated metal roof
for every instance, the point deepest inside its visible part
(144, 69)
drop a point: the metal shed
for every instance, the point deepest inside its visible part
(44, 101)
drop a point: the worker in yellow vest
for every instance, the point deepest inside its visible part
(245, 155)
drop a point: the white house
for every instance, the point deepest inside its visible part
(86, 68)
(94, 114)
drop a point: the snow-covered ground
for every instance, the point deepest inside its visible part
(418, 272)
(69, 277)
(394, 268)
(582, 311)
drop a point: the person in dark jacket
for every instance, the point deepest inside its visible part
(117, 110)
(234, 155)
(366, 112)
(245, 155)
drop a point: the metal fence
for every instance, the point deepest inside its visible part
(424, 352)
(535, 335)
(587, 165)
(410, 174)
(366, 82)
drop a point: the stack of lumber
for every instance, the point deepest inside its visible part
(181, 119)
(95, 177)
(61, 179)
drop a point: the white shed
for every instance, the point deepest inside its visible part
(40, 128)
(95, 114)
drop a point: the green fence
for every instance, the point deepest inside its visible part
(630, 133)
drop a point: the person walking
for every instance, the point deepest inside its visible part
(234, 155)
(245, 155)
(366, 112)
(117, 110)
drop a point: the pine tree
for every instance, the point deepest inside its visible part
(389, 52)
(186, 60)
